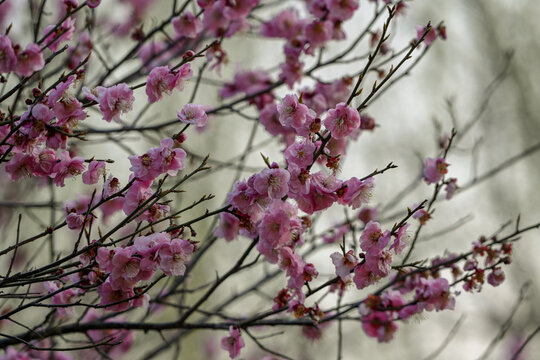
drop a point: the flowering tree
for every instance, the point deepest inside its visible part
(124, 257)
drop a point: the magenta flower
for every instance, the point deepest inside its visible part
(434, 170)
(496, 277)
(8, 60)
(110, 295)
(65, 106)
(300, 153)
(233, 343)
(344, 264)
(429, 38)
(450, 188)
(342, 120)
(435, 294)
(380, 262)
(174, 257)
(67, 167)
(63, 33)
(164, 80)
(272, 182)
(372, 238)
(341, 9)
(379, 325)
(193, 114)
(187, 25)
(95, 170)
(357, 192)
(319, 32)
(29, 60)
(113, 101)
(401, 240)
(364, 276)
(229, 226)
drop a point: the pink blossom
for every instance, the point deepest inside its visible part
(321, 194)
(379, 325)
(344, 264)
(401, 239)
(74, 221)
(269, 118)
(319, 32)
(187, 25)
(118, 298)
(229, 226)
(285, 25)
(67, 109)
(163, 80)
(367, 214)
(450, 188)
(372, 238)
(429, 38)
(8, 60)
(67, 167)
(44, 162)
(272, 182)
(110, 186)
(434, 170)
(29, 60)
(435, 294)
(422, 215)
(113, 101)
(125, 265)
(341, 9)
(357, 192)
(300, 153)
(342, 120)
(364, 276)
(80, 50)
(174, 257)
(496, 277)
(292, 71)
(233, 343)
(63, 33)
(93, 3)
(95, 170)
(380, 262)
(193, 114)
(275, 228)
(157, 161)
(367, 122)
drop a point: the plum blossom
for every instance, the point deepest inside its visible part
(342, 120)
(163, 80)
(233, 343)
(430, 37)
(344, 264)
(341, 9)
(175, 256)
(434, 169)
(187, 25)
(29, 60)
(496, 277)
(372, 238)
(193, 114)
(229, 226)
(113, 101)
(357, 192)
(8, 60)
(300, 153)
(272, 182)
(67, 167)
(95, 170)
